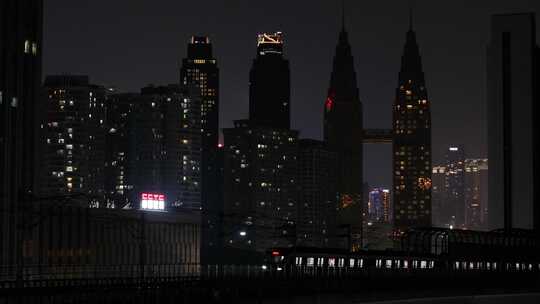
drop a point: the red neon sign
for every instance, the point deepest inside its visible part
(152, 201)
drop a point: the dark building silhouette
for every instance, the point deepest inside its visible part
(412, 142)
(73, 159)
(20, 81)
(343, 130)
(513, 124)
(316, 225)
(200, 71)
(453, 208)
(269, 84)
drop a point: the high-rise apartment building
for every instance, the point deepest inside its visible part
(412, 142)
(168, 145)
(343, 131)
(260, 186)
(120, 149)
(513, 137)
(73, 159)
(21, 29)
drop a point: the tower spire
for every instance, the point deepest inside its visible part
(343, 15)
(410, 15)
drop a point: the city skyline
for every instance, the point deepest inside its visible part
(376, 50)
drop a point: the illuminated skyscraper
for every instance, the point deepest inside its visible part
(20, 80)
(412, 142)
(200, 71)
(74, 157)
(513, 132)
(269, 84)
(438, 193)
(343, 130)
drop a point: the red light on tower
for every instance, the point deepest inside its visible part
(329, 104)
(275, 253)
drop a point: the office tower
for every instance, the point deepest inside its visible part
(74, 156)
(316, 225)
(476, 193)
(120, 150)
(512, 93)
(20, 80)
(200, 71)
(453, 208)
(438, 193)
(260, 187)
(343, 130)
(412, 142)
(269, 84)
(168, 146)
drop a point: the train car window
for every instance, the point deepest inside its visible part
(341, 263)
(331, 262)
(378, 263)
(530, 267)
(464, 265)
(431, 264)
(298, 261)
(310, 262)
(361, 263)
(494, 265)
(423, 264)
(405, 264)
(351, 263)
(388, 263)
(456, 265)
(415, 264)
(320, 262)
(397, 263)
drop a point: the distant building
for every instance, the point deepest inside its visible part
(412, 142)
(512, 94)
(438, 194)
(317, 207)
(74, 155)
(453, 207)
(20, 113)
(476, 194)
(343, 132)
(379, 209)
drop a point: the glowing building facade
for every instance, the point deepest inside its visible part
(412, 143)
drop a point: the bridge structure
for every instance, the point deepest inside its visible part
(378, 136)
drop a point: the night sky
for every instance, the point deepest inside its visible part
(131, 43)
